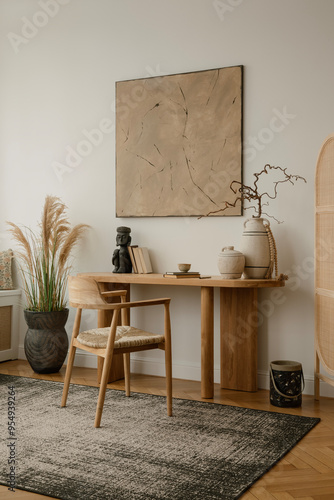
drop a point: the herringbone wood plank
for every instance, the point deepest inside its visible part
(305, 473)
(282, 495)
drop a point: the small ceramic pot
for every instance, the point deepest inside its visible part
(231, 263)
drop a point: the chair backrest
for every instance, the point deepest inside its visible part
(85, 293)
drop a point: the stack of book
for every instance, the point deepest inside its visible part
(179, 274)
(140, 258)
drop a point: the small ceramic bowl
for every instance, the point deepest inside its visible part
(184, 267)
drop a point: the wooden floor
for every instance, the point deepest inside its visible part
(305, 473)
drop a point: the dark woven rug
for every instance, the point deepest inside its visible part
(205, 451)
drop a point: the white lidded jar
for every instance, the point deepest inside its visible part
(231, 263)
(255, 247)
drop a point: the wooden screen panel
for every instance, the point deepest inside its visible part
(324, 251)
(5, 327)
(324, 326)
(324, 261)
(324, 193)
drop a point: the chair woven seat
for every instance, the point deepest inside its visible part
(126, 336)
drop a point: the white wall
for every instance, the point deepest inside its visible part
(58, 80)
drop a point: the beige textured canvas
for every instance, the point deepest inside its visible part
(178, 143)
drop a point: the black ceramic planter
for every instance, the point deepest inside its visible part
(46, 342)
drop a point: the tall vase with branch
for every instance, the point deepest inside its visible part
(44, 262)
(261, 257)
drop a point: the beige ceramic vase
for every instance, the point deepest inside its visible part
(255, 247)
(231, 263)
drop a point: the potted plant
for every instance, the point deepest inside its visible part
(44, 261)
(258, 243)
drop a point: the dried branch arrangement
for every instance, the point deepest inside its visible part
(44, 257)
(252, 194)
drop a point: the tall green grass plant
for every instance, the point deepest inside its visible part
(44, 257)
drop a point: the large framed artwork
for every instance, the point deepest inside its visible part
(179, 143)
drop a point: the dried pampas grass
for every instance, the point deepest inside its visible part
(44, 257)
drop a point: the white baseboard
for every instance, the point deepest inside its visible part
(151, 366)
(185, 371)
(84, 359)
(325, 389)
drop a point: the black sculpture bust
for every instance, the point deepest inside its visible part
(121, 257)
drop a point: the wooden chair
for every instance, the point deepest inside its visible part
(84, 293)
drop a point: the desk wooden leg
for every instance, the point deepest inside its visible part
(238, 338)
(207, 342)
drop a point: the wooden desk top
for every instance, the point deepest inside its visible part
(158, 279)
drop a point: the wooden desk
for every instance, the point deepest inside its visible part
(238, 323)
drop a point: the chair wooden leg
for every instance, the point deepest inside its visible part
(102, 391)
(168, 361)
(126, 361)
(168, 365)
(71, 356)
(106, 370)
(68, 374)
